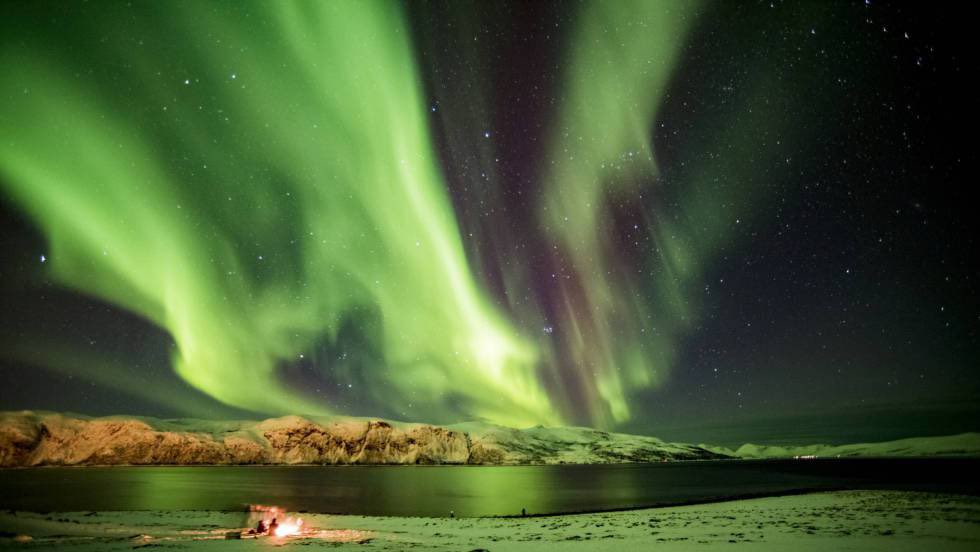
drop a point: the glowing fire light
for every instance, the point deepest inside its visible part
(289, 527)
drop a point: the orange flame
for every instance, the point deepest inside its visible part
(289, 527)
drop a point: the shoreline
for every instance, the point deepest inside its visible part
(721, 499)
(770, 460)
(654, 506)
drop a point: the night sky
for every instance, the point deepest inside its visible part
(703, 221)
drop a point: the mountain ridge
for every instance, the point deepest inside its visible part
(38, 438)
(29, 438)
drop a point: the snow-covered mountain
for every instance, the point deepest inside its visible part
(40, 439)
(491, 444)
(964, 444)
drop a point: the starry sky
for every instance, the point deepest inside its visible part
(707, 221)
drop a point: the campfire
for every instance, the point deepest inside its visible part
(273, 521)
(278, 525)
(288, 528)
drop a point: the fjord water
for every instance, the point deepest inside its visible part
(465, 490)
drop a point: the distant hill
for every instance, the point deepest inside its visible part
(964, 444)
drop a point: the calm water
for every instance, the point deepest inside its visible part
(468, 490)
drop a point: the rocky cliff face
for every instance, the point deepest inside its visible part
(294, 440)
(45, 439)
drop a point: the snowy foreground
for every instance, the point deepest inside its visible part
(849, 520)
(49, 439)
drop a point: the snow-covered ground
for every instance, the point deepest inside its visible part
(851, 520)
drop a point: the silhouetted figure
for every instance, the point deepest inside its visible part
(273, 526)
(452, 513)
(261, 528)
(523, 512)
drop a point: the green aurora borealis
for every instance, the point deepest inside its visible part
(365, 220)
(264, 182)
(600, 124)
